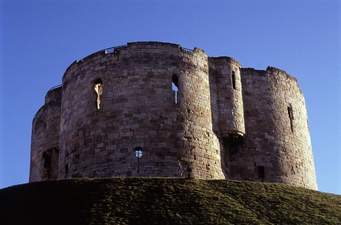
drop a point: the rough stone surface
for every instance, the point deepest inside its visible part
(228, 122)
(45, 138)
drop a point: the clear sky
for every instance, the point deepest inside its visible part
(39, 39)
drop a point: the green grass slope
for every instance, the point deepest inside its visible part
(165, 201)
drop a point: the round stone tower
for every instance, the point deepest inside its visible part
(277, 146)
(138, 110)
(157, 109)
(45, 138)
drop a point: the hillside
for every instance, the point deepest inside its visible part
(165, 201)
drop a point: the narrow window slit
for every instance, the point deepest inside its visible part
(233, 80)
(138, 154)
(98, 87)
(175, 88)
(47, 164)
(66, 170)
(291, 117)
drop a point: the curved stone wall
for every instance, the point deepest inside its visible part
(138, 109)
(200, 145)
(45, 138)
(227, 105)
(275, 149)
(296, 165)
(229, 110)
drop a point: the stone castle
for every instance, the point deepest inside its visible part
(157, 109)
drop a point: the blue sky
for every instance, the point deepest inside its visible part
(39, 39)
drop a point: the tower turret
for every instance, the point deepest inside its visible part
(227, 105)
(45, 138)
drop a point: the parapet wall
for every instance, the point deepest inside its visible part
(157, 109)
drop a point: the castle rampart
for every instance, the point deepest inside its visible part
(157, 109)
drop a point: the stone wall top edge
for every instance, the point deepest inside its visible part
(223, 59)
(50, 92)
(43, 108)
(142, 44)
(54, 89)
(252, 71)
(153, 43)
(164, 44)
(269, 70)
(37, 114)
(54, 94)
(137, 44)
(277, 71)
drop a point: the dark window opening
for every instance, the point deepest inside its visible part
(138, 151)
(50, 164)
(291, 117)
(261, 172)
(233, 143)
(66, 170)
(46, 164)
(233, 80)
(98, 87)
(175, 87)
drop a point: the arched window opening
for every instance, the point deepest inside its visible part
(291, 117)
(175, 88)
(98, 87)
(138, 151)
(234, 80)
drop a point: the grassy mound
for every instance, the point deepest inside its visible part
(165, 201)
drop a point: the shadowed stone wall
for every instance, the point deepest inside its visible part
(45, 138)
(274, 151)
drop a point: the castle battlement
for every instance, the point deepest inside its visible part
(158, 109)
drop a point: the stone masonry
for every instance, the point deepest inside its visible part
(157, 109)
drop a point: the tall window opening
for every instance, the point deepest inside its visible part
(233, 143)
(98, 87)
(261, 172)
(66, 170)
(291, 117)
(46, 164)
(50, 163)
(175, 88)
(233, 80)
